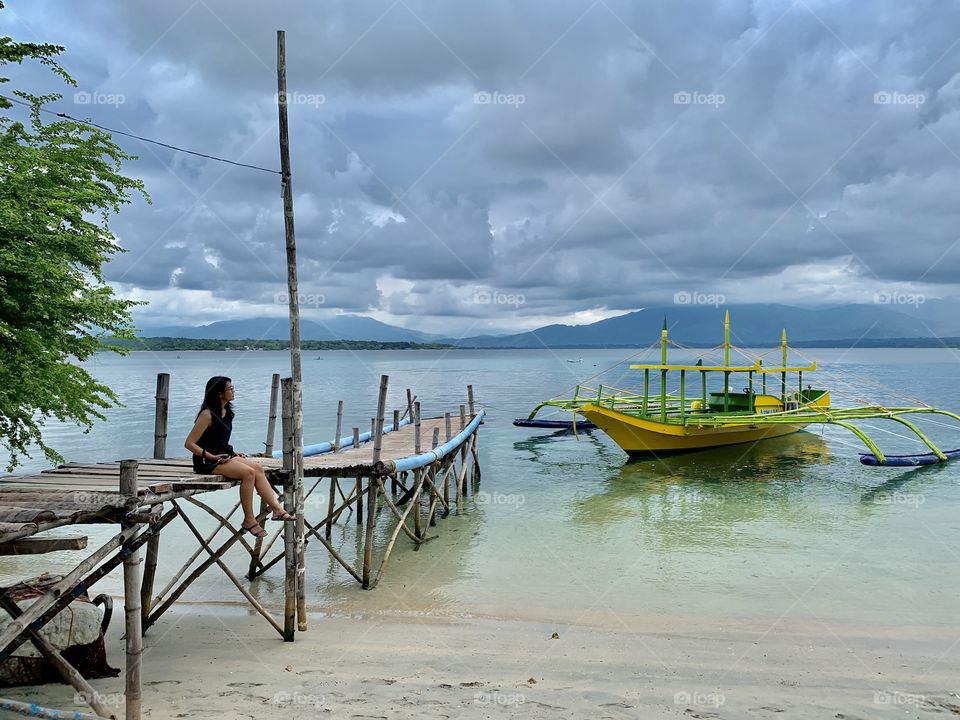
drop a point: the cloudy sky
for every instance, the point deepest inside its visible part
(464, 167)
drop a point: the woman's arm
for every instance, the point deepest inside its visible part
(204, 420)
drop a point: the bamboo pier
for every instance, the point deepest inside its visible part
(407, 470)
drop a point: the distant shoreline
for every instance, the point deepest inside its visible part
(250, 344)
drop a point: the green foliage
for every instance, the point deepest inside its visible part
(59, 183)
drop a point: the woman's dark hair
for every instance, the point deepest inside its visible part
(211, 397)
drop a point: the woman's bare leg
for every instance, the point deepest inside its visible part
(262, 485)
(236, 470)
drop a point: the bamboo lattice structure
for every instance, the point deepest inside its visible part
(144, 496)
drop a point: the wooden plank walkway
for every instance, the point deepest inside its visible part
(82, 492)
(380, 479)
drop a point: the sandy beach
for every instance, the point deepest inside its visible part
(207, 664)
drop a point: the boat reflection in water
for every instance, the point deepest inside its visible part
(704, 499)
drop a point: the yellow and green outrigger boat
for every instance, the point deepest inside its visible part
(687, 415)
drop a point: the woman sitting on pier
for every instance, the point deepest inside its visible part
(209, 441)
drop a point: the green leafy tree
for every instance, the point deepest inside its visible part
(59, 184)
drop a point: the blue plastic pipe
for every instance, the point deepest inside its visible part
(346, 440)
(417, 461)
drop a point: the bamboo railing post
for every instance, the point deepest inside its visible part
(289, 539)
(475, 447)
(160, 418)
(409, 412)
(131, 603)
(448, 426)
(272, 416)
(336, 438)
(416, 429)
(373, 487)
(267, 452)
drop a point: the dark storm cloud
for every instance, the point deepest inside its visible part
(580, 155)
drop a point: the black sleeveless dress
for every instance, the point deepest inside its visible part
(216, 441)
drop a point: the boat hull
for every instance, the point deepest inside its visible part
(644, 438)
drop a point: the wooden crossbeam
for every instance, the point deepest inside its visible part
(39, 546)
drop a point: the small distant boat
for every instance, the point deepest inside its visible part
(578, 360)
(658, 422)
(554, 424)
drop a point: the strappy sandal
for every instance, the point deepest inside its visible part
(255, 529)
(286, 517)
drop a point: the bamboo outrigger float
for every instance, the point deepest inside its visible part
(684, 418)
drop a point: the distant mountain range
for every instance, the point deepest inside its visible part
(750, 325)
(341, 327)
(757, 325)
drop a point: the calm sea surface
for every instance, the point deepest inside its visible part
(565, 529)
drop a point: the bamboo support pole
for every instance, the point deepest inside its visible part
(224, 522)
(336, 555)
(417, 503)
(462, 483)
(258, 551)
(193, 557)
(396, 426)
(296, 379)
(331, 503)
(226, 571)
(470, 403)
(149, 575)
(434, 496)
(289, 540)
(475, 451)
(409, 411)
(372, 486)
(356, 444)
(401, 524)
(131, 603)
(159, 452)
(198, 571)
(396, 511)
(86, 574)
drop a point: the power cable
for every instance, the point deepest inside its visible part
(142, 139)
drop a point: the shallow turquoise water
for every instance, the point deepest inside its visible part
(566, 529)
